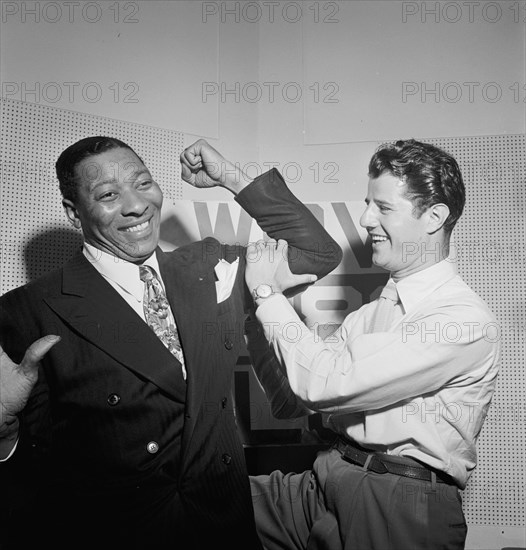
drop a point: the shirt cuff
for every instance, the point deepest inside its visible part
(277, 316)
(11, 452)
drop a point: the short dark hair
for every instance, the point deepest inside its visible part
(432, 176)
(70, 158)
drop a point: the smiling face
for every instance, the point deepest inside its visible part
(399, 238)
(118, 205)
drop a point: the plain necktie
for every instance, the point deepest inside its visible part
(384, 314)
(158, 314)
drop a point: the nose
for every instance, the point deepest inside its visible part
(367, 218)
(133, 203)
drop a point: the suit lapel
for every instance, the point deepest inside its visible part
(94, 309)
(190, 288)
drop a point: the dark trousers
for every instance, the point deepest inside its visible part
(341, 506)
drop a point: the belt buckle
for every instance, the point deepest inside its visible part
(350, 455)
(371, 463)
(375, 464)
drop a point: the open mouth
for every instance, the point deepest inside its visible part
(137, 228)
(376, 239)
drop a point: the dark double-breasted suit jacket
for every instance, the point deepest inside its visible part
(116, 448)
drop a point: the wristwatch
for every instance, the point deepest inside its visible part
(262, 291)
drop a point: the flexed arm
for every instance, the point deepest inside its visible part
(278, 212)
(311, 253)
(202, 166)
(283, 216)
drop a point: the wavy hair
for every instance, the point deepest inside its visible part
(431, 175)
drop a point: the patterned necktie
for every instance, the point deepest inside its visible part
(384, 314)
(158, 314)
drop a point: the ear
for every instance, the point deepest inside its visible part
(71, 213)
(437, 216)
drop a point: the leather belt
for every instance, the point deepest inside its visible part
(382, 463)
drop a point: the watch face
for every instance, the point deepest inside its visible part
(263, 291)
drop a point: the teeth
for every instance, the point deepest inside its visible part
(139, 227)
(378, 238)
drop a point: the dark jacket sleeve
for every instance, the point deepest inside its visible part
(283, 216)
(284, 403)
(311, 250)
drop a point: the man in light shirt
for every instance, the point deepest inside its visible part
(407, 398)
(116, 423)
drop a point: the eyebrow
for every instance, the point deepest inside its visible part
(379, 202)
(113, 180)
(383, 203)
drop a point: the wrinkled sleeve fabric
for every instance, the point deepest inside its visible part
(284, 403)
(311, 250)
(361, 372)
(283, 216)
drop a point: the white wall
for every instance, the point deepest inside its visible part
(231, 71)
(307, 86)
(376, 65)
(144, 62)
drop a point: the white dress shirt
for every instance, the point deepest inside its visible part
(421, 389)
(123, 276)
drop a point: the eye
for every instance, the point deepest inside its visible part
(144, 184)
(109, 195)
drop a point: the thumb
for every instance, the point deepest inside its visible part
(186, 173)
(36, 351)
(305, 279)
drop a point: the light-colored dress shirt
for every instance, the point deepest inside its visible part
(123, 276)
(421, 389)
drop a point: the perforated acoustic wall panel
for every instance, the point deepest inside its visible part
(36, 236)
(488, 241)
(491, 252)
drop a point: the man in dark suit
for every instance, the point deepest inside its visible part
(114, 435)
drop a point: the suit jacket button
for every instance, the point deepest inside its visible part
(224, 402)
(229, 344)
(113, 399)
(226, 459)
(152, 447)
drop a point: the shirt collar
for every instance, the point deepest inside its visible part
(123, 273)
(414, 288)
